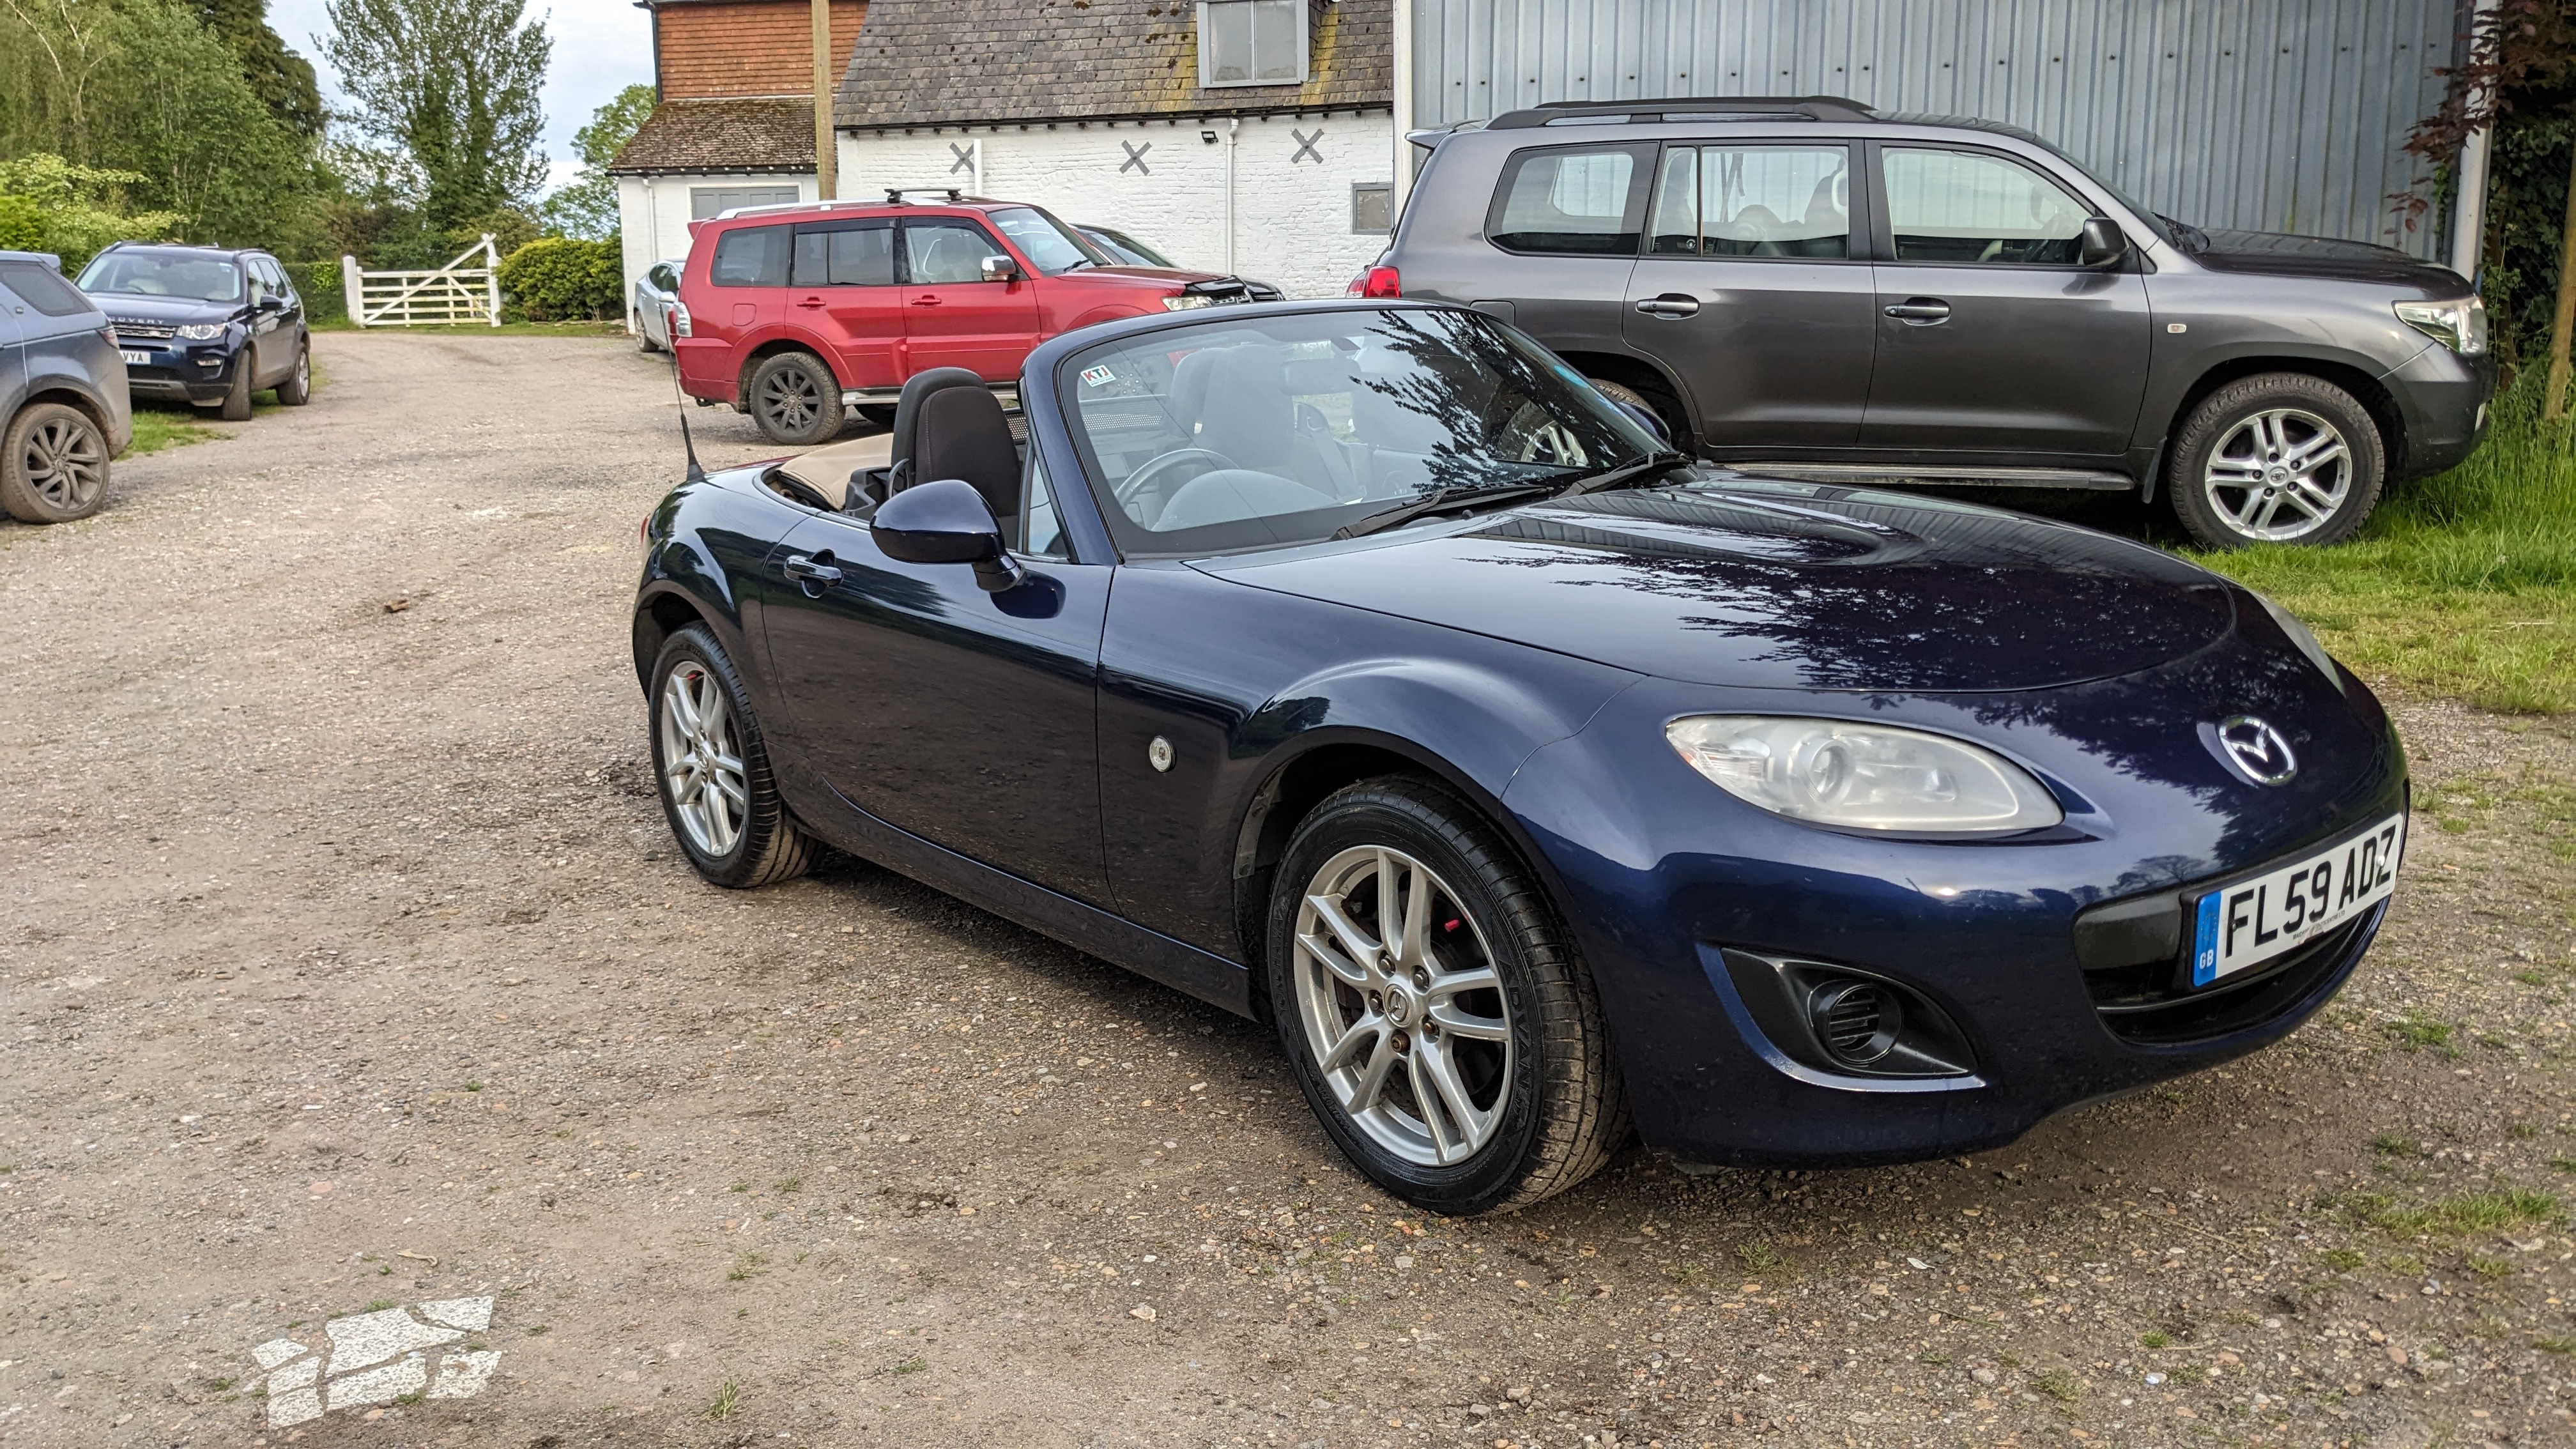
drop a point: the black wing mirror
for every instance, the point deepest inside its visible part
(1001, 269)
(947, 522)
(2104, 243)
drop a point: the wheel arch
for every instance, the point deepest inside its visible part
(84, 403)
(773, 346)
(1308, 773)
(1647, 377)
(2365, 388)
(660, 614)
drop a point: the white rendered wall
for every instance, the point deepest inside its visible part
(653, 216)
(1291, 211)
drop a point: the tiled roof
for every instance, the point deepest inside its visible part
(739, 133)
(953, 62)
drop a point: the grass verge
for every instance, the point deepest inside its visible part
(2461, 585)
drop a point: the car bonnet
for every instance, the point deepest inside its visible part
(1763, 585)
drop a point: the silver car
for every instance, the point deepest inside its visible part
(649, 313)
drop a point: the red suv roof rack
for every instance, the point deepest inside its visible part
(1684, 108)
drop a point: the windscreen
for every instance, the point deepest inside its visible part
(1233, 435)
(1050, 245)
(164, 274)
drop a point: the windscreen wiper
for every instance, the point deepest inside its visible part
(1454, 496)
(1627, 473)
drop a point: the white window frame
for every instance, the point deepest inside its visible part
(1207, 52)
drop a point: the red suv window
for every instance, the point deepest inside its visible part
(751, 256)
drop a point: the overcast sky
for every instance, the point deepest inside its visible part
(601, 47)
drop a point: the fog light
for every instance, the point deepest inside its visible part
(1857, 1021)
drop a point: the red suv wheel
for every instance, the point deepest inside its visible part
(795, 399)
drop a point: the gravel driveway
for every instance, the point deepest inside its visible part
(370, 1050)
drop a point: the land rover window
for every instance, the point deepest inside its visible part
(1752, 201)
(1572, 200)
(1972, 208)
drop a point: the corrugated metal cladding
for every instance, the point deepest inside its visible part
(2273, 115)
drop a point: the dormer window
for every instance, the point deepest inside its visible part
(1252, 42)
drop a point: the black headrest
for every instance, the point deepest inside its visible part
(907, 411)
(960, 433)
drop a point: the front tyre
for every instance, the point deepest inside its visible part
(2280, 457)
(713, 769)
(795, 399)
(235, 408)
(1435, 1013)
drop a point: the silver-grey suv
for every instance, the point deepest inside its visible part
(1814, 290)
(64, 410)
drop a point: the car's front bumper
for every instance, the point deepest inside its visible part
(1663, 875)
(200, 375)
(2443, 400)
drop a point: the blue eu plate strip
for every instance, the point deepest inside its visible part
(2204, 946)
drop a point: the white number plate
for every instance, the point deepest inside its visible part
(143, 359)
(2254, 921)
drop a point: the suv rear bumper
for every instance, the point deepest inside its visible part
(2443, 399)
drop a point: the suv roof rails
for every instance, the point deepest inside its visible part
(1684, 108)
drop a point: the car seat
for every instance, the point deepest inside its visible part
(951, 426)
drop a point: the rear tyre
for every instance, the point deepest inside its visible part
(795, 399)
(643, 340)
(236, 404)
(2280, 457)
(297, 389)
(712, 766)
(1662, 406)
(1450, 1043)
(53, 465)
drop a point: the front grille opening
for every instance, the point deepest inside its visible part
(2148, 1005)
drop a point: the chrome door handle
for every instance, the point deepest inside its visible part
(1670, 305)
(812, 570)
(1920, 310)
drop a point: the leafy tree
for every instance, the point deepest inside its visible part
(48, 204)
(281, 79)
(587, 206)
(453, 85)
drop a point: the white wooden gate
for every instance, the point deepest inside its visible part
(444, 297)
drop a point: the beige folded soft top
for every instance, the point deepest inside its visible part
(827, 469)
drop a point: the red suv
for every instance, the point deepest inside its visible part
(793, 313)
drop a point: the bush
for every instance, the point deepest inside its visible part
(326, 298)
(558, 278)
(22, 224)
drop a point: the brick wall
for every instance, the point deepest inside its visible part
(757, 48)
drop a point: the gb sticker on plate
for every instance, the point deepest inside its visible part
(1098, 377)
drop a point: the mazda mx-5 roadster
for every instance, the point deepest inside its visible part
(1359, 668)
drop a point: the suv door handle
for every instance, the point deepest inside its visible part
(811, 302)
(1920, 311)
(812, 571)
(1671, 305)
(925, 301)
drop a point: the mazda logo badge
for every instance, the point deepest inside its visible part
(2256, 750)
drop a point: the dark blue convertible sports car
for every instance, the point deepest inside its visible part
(1357, 667)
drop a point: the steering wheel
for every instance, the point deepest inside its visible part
(1130, 492)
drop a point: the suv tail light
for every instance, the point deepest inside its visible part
(679, 320)
(1377, 282)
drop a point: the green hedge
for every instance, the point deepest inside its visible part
(558, 278)
(326, 297)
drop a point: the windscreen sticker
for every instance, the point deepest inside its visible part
(1098, 377)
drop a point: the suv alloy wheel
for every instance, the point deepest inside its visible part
(795, 399)
(2280, 457)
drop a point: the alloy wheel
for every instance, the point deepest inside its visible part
(1401, 1006)
(2279, 474)
(65, 463)
(702, 759)
(790, 400)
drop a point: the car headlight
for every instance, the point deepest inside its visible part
(1186, 301)
(1863, 776)
(2304, 640)
(2460, 326)
(201, 331)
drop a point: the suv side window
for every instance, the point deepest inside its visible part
(1752, 201)
(940, 250)
(846, 254)
(271, 276)
(1571, 200)
(43, 288)
(751, 256)
(1972, 207)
